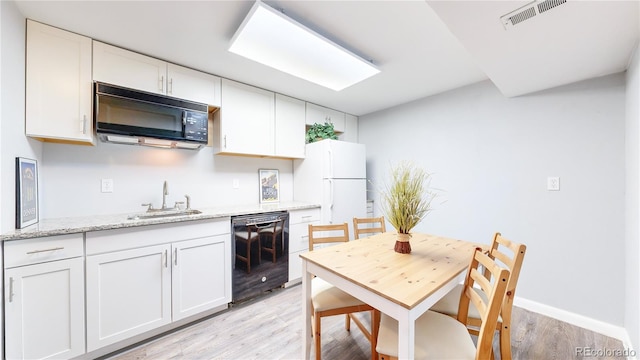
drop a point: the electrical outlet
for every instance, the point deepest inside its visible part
(553, 183)
(236, 184)
(107, 185)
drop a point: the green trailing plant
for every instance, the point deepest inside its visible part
(319, 131)
(406, 200)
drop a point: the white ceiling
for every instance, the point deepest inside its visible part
(423, 48)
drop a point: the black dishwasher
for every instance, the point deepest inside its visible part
(260, 248)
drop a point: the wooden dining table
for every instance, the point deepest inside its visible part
(403, 286)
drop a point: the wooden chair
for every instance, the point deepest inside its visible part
(248, 237)
(449, 303)
(440, 336)
(368, 226)
(271, 234)
(328, 300)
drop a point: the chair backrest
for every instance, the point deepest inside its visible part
(489, 303)
(368, 226)
(325, 234)
(513, 262)
(276, 227)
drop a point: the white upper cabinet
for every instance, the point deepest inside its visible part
(289, 127)
(320, 114)
(257, 122)
(185, 83)
(121, 67)
(126, 68)
(350, 129)
(58, 85)
(245, 122)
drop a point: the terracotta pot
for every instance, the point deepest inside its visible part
(402, 244)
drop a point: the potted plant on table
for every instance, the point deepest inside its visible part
(319, 131)
(406, 201)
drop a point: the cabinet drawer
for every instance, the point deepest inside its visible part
(298, 237)
(38, 250)
(295, 266)
(369, 207)
(130, 238)
(304, 216)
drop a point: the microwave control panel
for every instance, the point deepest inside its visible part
(196, 126)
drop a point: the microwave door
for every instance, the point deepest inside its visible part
(125, 117)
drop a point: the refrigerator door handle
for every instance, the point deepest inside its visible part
(330, 165)
(331, 193)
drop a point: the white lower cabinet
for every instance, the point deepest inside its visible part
(199, 277)
(44, 298)
(299, 221)
(143, 278)
(128, 293)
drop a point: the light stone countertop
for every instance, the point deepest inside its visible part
(71, 225)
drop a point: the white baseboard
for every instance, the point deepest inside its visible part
(601, 327)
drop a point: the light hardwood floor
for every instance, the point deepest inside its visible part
(270, 327)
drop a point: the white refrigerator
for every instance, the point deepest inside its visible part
(333, 174)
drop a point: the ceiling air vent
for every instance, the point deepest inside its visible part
(528, 11)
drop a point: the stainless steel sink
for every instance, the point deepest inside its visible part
(163, 213)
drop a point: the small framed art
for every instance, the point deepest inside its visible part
(269, 186)
(26, 192)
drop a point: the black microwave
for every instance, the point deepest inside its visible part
(134, 117)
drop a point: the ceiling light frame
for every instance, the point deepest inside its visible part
(269, 37)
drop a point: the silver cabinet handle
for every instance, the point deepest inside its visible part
(175, 257)
(166, 256)
(45, 250)
(161, 83)
(170, 86)
(225, 141)
(11, 289)
(83, 124)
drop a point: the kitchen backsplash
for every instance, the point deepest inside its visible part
(70, 178)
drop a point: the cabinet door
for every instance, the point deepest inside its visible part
(44, 310)
(58, 85)
(320, 114)
(201, 275)
(128, 293)
(350, 129)
(126, 68)
(246, 120)
(185, 83)
(289, 127)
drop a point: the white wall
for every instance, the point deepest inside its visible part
(71, 176)
(632, 248)
(492, 155)
(12, 140)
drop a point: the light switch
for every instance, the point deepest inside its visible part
(236, 184)
(553, 183)
(107, 185)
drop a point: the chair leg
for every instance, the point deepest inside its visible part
(259, 252)
(505, 342)
(375, 327)
(317, 336)
(248, 256)
(273, 248)
(347, 322)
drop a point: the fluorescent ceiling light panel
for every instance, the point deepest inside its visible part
(270, 38)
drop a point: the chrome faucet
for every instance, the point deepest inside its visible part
(165, 192)
(188, 202)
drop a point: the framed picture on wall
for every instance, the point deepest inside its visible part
(26, 192)
(269, 186)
